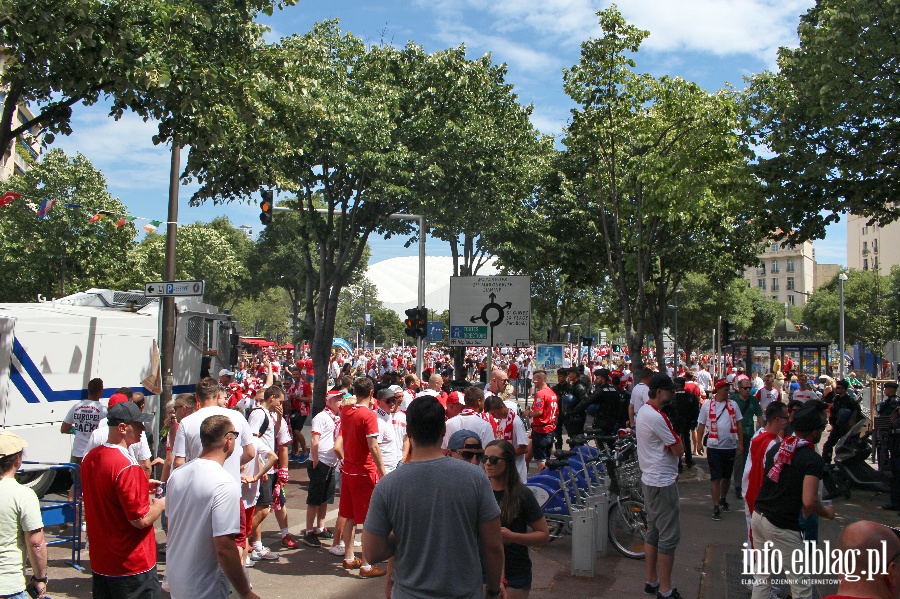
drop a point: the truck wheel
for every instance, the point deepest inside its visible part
(38, 481)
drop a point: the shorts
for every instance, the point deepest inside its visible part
(265, 491)
(240, 539)
(663, 517)
(356, 492)
(297, 421)
(541, 444)
(321, 484)
(522, 582)
(721, 462)
(138, 586)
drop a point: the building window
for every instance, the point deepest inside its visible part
(875, 245)
(775, 297)
(774, 247)
(790, 265)
(865, 230)
(774, 284)
(761, 284)
(790, 284)
(761, 269)
(774, 266)
(865, 264)
(790, 298)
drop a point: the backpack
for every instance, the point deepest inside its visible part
(265, 424)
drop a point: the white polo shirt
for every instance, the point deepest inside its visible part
(639, 396)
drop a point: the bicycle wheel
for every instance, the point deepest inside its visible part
(628, 527)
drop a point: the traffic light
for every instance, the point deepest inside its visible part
(410, 322)
(421, 331)
(728, 332)
(587, 341)
(266, 205)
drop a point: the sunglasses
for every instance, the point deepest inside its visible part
(469, 455)
(745, 388)
(235, 433)
(492, 460)
(390, 402)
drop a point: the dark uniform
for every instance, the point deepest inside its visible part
(845, 412)
(602, 404)
(889, 407)
(683, 411)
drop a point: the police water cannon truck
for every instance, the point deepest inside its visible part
(49, 350)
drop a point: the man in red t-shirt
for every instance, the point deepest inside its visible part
(543, 418)
(118, 511)
(360, 471)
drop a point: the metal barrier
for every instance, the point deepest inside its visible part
(584, 542)
(65, 512)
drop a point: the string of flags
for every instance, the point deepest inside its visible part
(43, 212)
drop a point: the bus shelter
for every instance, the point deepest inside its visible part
(758, 355)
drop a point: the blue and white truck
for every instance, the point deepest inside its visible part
(49, 350)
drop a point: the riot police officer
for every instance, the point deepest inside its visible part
(602, 404)
(888, 407)
(845, 412)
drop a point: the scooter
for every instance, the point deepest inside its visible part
(851, 469)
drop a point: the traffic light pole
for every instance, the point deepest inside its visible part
(420, 342)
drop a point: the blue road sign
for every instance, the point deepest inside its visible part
(435, 331)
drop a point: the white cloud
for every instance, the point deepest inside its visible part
(547, 123)
(719, 27)
(502, 49)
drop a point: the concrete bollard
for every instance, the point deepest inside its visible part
(584, 542)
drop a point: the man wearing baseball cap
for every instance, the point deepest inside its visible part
(465, 445)
(21, 526)
(119, 512)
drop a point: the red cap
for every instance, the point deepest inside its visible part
(456, 397)
(721, 383)
(117, 398)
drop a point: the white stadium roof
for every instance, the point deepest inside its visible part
(397, 282)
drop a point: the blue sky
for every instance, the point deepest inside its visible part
(712, 42)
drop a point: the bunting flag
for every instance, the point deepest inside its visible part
(73, 206)
(8, 198)
(99, 215)
(43, 211)
(152, 226)
(123, 220)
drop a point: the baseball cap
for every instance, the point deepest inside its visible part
(396, 389)
(464, 440)
(721, 383)
(125, 413)
(117, 398)
(456, 397)
(338, 393)
(384, 393)
(11, 444)
(843, 383)
(225, 372)
(892, 385)
(661, 382)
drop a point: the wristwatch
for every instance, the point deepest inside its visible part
(43, 580)
(491, 593)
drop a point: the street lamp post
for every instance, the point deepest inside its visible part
(675, 337)
(841, 278)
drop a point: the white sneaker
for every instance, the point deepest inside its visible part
(337, 550)
(249, 563)
(265, 554)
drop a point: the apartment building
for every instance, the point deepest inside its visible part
(870, 247)
(15, 158)
(786, 272)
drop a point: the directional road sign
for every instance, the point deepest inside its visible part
(435, 330)
(174, 288)
(486, 310)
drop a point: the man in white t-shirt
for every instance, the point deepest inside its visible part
(471, 418)
(804, 393)
(768, 393)
(188, 445)
(140, 451)
(391, 452)
(726, 439)
(203, 505)
(321, 467)
(658, 451)
(639, 395)
(511, 429)
(83, 418)
(704, 378)
(262, 422)
(251, 473)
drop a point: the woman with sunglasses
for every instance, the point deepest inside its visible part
(519, 512)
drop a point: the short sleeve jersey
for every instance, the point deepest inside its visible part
(187, 439)
(85, 416)
(726, 439)
(639, 396)
(546, 401)
(766, 396)
(781, 502)
(659, 467)
(805, 395)
(116, 492)
(20, 512)
(139, 451)
(325, 425)
(358, 423)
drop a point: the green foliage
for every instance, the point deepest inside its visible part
(827, 118)
(267, 315)
(205, 252)
(66, 253)
(869, 317)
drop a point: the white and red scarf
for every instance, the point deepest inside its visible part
(509, 426)
(785, 455)
(484, 416)
(714, 421)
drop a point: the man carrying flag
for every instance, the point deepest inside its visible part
(776, 421)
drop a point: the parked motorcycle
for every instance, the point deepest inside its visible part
(851, 468)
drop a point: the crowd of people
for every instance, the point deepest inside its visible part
(381, 440)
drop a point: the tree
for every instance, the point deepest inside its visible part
(267, 315)
(827, 119)
(204, 252)
(168, 60)
(656, 174)
(65, 253)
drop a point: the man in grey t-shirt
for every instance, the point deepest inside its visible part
(434, 516)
